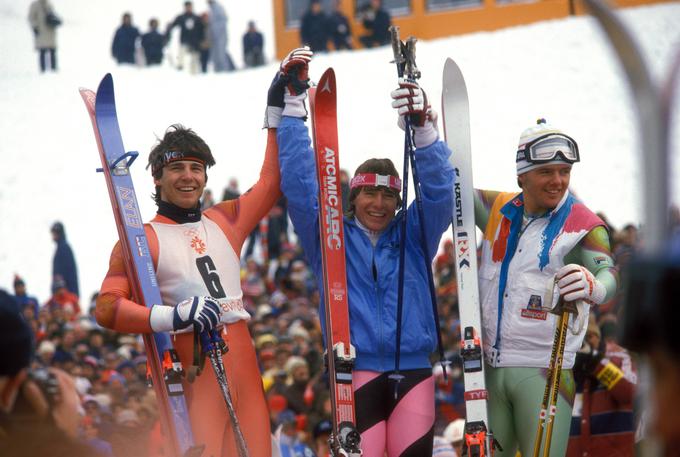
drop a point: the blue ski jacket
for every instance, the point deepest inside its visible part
(372, 272)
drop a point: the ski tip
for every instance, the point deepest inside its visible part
(106, 84)
(88, 96)
(327, 81)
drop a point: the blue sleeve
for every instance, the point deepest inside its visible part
(299, 185)
(436, 177)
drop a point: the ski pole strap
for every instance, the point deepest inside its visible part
(199, 356)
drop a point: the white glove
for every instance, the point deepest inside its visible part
(201, 313)
(577, 283)
(410, 100)
(288, 90)
(295, 68)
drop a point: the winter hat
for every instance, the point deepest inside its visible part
(18, 281)
(15, 338)
(58, 228)
(540, 129)
(47, 347)
(322, 427)
(454, 432)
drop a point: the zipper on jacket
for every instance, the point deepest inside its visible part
(378, 303)
(497, 344)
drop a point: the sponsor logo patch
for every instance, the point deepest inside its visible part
(533, 309)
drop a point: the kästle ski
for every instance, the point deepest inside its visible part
(165, 367)
(456, 116)
(340, 353)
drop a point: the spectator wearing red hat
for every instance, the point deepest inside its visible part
(63, 299)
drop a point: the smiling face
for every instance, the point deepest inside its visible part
(375, 207)
(544, 187)
(181, 183)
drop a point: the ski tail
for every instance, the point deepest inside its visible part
(163, 363)
(340, 353)
(456, 118)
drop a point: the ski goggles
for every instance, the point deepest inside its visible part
(546, 148)
(375, 180)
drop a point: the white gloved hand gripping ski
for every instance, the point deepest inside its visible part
(200, 313)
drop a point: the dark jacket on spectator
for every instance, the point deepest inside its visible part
(253, 43)
(340, 30)
(123, 48)
(153, 43)
(379, 29)
(191, 30)
(313, 31)
(64, 264)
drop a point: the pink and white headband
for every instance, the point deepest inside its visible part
(374, 179)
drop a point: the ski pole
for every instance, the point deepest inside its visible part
(213, 346)
(404, 57)
(400, 62)
(547, 414)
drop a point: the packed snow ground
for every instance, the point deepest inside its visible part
(562, 70)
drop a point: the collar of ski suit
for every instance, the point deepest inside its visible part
(177, 214)
(514, 212)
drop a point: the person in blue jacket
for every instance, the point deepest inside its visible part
(125, 41)
(401, 426)
(63, 262)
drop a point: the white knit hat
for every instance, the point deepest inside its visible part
(540, 129)
(454, 431)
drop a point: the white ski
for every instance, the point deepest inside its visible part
(456, 116)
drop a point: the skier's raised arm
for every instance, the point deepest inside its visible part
(238, 217)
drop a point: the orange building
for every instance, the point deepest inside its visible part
(428, 19)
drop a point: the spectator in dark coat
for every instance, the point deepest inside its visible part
(22, 298)
(153, 43)
(125, 40)
(313, 31)
(192, 34)
(377, 21)
(64, 264)
(253, 44)
(339, 27)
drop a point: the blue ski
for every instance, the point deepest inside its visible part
(165, 367)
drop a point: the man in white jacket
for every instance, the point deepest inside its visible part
(530, 238)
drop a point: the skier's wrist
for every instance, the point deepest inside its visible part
(161, 318)
(425, 135)
(295, 105)
(272, 117)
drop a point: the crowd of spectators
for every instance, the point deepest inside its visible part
(117, 412)
(319, 28)
(202, 41)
